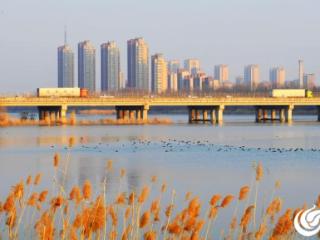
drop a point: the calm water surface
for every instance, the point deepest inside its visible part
(203, 159)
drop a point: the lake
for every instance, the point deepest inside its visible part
(202, 159)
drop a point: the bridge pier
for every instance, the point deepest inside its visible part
(191, 115)
(126, 114)
(138, 115)
(282, 115)
(145, 109)
(219, 114)
(63, 114)
(213, 116)
(52, 114)
(274, 113)
(41, 114)
(258, 114)
(265, 114)
(205, 114)
(288, 114)
(52, 117)
(195, 115)
(132, 113)
(47, 117)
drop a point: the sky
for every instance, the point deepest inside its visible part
(234, 32)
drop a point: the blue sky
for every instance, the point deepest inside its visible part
(234, 32)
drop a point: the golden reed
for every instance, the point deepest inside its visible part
(84, 212)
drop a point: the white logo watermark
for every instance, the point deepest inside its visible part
(307, 222)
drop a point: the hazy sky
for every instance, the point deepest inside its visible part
(235, 32)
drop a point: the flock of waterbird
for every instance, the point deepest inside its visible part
(176, 145)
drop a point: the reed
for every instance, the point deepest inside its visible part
(8, 121)
(4, 117)
(259, 175)
(85, 213)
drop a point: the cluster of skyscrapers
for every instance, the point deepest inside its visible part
(166, 76)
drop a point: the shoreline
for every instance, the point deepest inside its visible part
(70, 122)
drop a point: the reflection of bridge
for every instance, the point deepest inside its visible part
(201, 109)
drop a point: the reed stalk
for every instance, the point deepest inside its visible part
(169, 217)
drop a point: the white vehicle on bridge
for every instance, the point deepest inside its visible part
(303, 93)
(62, 92)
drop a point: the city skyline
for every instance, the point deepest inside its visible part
(158, 75)
(213, 41)
(219, 72)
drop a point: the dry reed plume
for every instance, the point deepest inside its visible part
(7, 121)
(85, 212)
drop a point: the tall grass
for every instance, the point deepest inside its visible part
(85, 212)
(7, 121)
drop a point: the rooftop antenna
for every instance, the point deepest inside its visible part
(65, 34)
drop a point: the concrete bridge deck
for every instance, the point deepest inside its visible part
(200, 108)
(157, 101)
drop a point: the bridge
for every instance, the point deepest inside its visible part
(201, 109)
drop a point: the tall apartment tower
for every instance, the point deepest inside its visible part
(87, 66)
(65, 67)
(192, 65)
(221, 73)
(110, 67)
(301, 73)
(159, 74)
(182, 77)
(173, 82)
(173, 66)
(251, 76)
(277, 77)
(239, 81)
(309, 81)
(138, 64)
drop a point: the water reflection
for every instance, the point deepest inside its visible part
(52, 140)
(202, 159)
(134, 180)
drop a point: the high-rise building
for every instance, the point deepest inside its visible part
(277, 77)
(87, 66)
(198, 81)
(159, 74)
(65, 67)
(301, 73)
(110, 67)
(188, 84)
(208, 84)
(122, 81)
(239, 81)
(138, 64)
(221, 73)
(182, 76)
(192, 65)
(173, 82)
(173, 66)
(309, 81)
(251, 76)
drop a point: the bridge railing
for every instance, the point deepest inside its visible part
(152, 100)
(139, 94)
